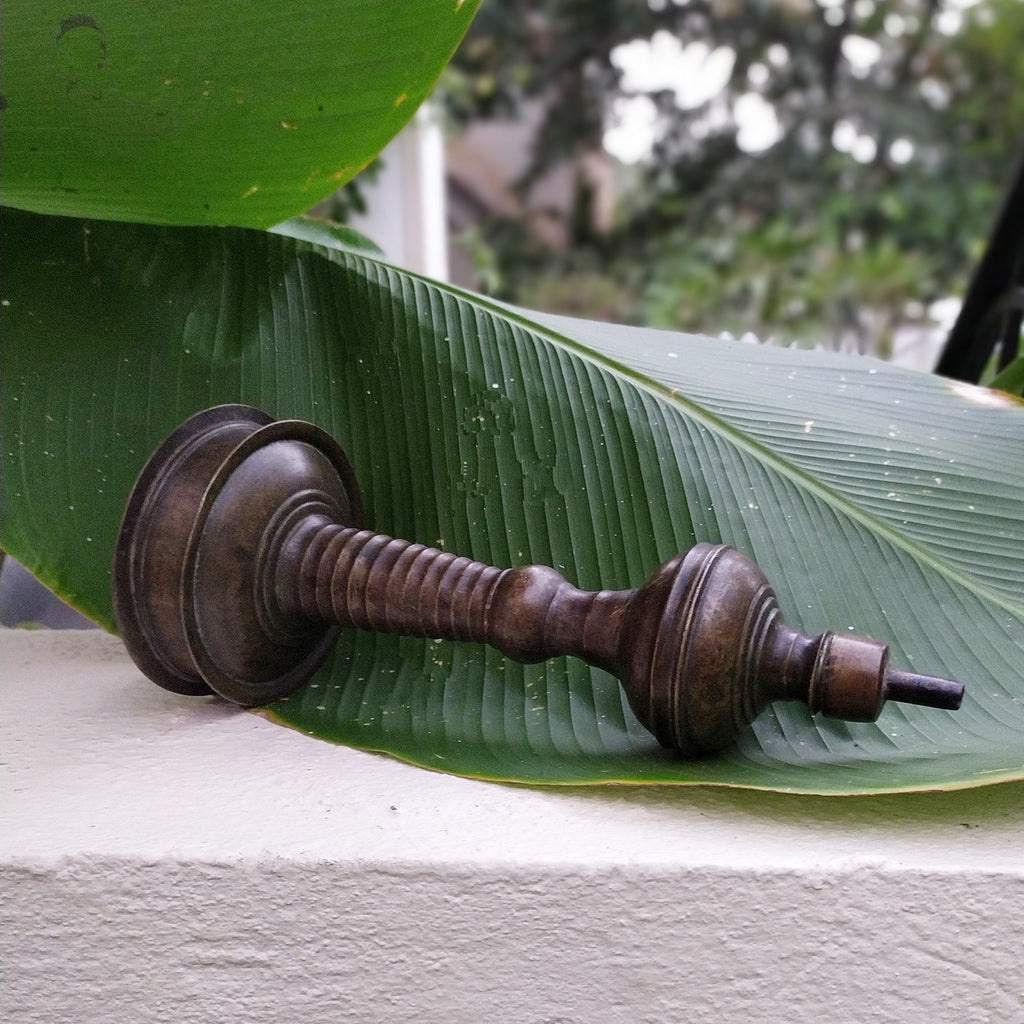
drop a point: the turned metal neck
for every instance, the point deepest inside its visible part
(367, 580)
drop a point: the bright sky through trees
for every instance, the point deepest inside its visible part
(697, 74)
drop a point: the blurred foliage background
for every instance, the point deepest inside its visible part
(810, 170)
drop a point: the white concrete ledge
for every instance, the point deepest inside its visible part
(171, 859)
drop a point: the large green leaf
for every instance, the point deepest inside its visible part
(876, 499)
(230, 112)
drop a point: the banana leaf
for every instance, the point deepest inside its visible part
(231, 112)
(876, 499)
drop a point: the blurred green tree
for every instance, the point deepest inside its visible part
(840, 179)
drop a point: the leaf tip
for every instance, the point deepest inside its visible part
(982, 396)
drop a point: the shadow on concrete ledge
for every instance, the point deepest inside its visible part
(24, 601)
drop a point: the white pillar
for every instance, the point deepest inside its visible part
(406, 205)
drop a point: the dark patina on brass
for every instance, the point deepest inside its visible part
(242, 552)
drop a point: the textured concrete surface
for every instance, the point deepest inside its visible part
(171, 859)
